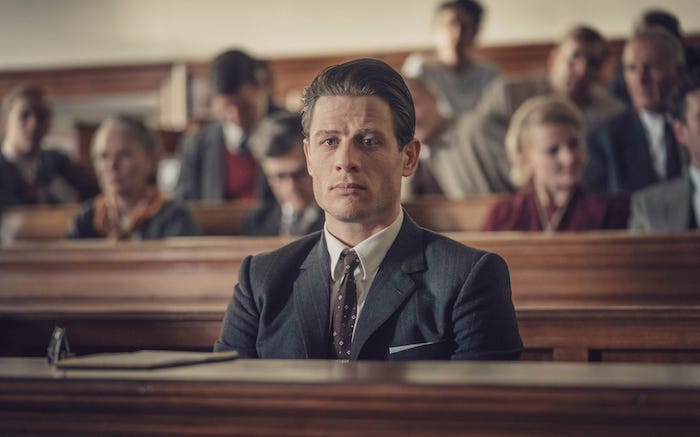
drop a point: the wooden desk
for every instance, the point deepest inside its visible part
(329, 398)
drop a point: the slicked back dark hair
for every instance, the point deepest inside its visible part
(472, 8)
(232, 69)
(677, 103)
(360, 78)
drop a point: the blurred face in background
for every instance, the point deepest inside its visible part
(428, 117)
(574, 67)
(454, 30)
(244, 108)
(124, 167)
(650, 73)
(288, 178)
(688, 131)
(554, 154)
(26, 124)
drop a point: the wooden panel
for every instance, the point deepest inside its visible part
(566, 270)
(329, 398)
(616, 334)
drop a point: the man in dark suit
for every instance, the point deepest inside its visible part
(215, 162)
(674, 206)
(279, 143)
(29, 173)
(372, 285)
(637, 148)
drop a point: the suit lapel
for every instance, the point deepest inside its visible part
(392, 285)
(215, 164)
(312, 299)
(677, 204)
(637, 157)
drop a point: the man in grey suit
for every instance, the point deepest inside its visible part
(215, 161)
(414, 294)
(636, 148)
(675, 205)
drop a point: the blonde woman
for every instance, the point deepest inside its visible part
(547, 153)
(130, 207)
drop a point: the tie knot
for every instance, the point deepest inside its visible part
(350, 259)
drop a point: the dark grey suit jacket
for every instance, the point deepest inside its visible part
(619, 160)
(663, 207)
(203, 166)
(433, 296)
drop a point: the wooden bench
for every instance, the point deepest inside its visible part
(226, 218)
(602, 296)
(333, 398)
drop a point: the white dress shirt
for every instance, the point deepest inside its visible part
(654, 127)
(371, 253)
(694, 174)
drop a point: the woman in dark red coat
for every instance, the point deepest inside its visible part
(547, 155)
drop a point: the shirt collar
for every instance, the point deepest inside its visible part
(371, 251)
(233, 136)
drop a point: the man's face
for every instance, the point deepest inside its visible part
(454, 32)
(650, 74)
(26, 125)
(289, 180)
(573, 68)
(243, 108)
(688, 131)
(428, 117)
(354, 159)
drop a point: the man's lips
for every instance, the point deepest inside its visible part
(347, 188)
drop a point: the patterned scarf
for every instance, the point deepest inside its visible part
(108, 222)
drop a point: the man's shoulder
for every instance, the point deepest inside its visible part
(205, 134)
(661, 191)
(441, 246)
(294, 251)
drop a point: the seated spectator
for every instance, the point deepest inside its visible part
(125, 156)
(665, 20)
(215, 162)
(675, 205)
(467, 151)
(448, 166)
(280, 142)
(547, 155)
(452, 70)
(636, 148)
(30, 175)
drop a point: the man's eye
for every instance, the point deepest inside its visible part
(329, 142)
(368, 141)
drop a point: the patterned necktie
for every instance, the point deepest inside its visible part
(345, 307)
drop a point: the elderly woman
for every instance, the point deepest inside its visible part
(546, 152)
(130, 207)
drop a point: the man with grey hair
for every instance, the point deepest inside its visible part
(637, 148)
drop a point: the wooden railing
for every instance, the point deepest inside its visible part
(333, 398)
(600, 296)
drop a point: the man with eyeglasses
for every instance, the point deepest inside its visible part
(279, 145)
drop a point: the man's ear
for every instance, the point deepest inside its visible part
(411, 152)
(308, 158)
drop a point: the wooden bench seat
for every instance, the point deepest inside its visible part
(226, 218)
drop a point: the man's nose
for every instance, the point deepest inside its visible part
(346, 156)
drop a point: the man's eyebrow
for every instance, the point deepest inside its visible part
(326, 132)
